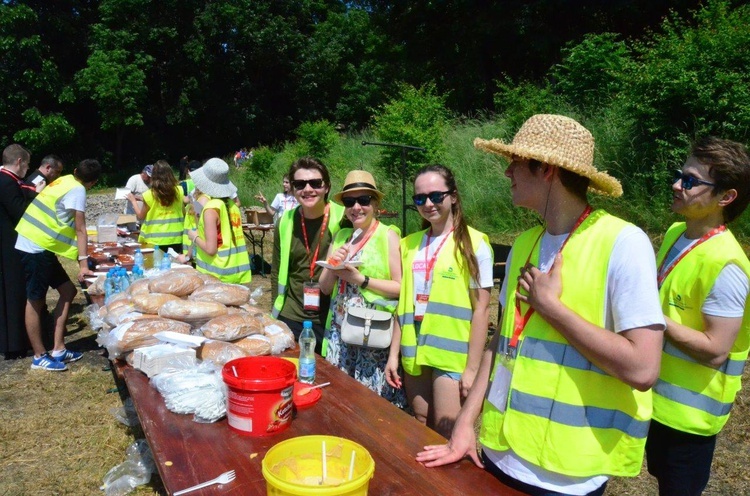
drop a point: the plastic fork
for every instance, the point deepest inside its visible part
(224, 478)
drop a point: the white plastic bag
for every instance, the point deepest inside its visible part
(135, 471)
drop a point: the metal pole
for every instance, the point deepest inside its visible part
(404, 149)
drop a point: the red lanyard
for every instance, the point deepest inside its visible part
(430, 264)
(663, 273)
(320, 238)
(520, 321)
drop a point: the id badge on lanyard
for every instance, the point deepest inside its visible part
(500, 387)
(311, 296)
(422, 287)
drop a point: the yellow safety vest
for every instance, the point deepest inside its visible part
(443, 340)
(41, 225)
(690, 396)
(564, 414)
(231, 263)
(286, 228)
(163, 224)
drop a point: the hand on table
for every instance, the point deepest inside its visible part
(463, 442)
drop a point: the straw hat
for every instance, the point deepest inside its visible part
(213, 179)
(359, 180)
(556, 140)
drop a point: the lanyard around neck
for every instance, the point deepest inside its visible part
(323, 227)
(430, 262)
(520, 320)
(664, 272)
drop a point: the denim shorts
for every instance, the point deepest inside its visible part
(43, 271)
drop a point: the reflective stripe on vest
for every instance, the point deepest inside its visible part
(286, 228)
(691, 396)
(444, 333)
(41, 225)
(565, 414)
(231, 263)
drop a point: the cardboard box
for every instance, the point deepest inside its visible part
(258, 216)
(153, 359)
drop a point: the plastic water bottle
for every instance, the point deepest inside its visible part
(307, 353)
(109, 286)
(124, 279)
(158, 254)
(166, 262)
(138, 259)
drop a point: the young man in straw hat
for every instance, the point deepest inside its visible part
(703, 284)
(564, 390)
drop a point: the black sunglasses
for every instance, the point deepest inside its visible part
(689, 181)
(363, 200)
(299, 184)
(434, 196)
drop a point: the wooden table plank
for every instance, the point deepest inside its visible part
(198, 452)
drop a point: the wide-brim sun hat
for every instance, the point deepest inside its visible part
(356, 181)
(213, 179)
(556, 140)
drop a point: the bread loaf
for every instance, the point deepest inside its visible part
(228, 294)
(220, 352)
(138, 333)
(208, 278)
(113, 316)
(232, 326)
(279, 333)
(176, 282)
(192, 311)
(138, 287)
(255, 345)
(151, 302)
(119, 302)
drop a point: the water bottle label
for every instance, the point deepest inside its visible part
(306, 369)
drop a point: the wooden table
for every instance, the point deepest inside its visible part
(255, 235)
(188, 453)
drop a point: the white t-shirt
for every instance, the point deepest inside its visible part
(729, 293)
(282, 203)
(632, 301)
(136, 186)
(66, 207)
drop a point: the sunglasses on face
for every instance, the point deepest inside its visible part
(689, 181)
(300, 184)
(434, 196)
(363, 200)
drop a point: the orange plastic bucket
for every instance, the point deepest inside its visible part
(259, 396)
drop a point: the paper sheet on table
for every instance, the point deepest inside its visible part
(122, 194)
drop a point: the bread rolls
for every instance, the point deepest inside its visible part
(228, 294)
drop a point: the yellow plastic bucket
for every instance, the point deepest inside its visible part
(295, 467)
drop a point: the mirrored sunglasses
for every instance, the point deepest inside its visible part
(363, 200)
(299, 184)
(434, 196)
(689, 181)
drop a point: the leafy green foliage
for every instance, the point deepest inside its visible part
(48, 132)
(417, 117)
(261, 163)
(518, 101)
(316, 138)
(592, 71)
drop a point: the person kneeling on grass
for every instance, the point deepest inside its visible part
(55, 224)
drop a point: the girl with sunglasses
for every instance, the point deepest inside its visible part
(301, 239)
(371, 279)
(443, 308)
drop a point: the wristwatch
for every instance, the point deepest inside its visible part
(365, 282)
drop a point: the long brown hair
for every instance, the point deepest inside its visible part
(163, 183)
(464, 249)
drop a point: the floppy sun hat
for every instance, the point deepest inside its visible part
(556, 140)
(213, 179)
(359, 180)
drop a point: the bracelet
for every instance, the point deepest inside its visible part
(81, 258)
(365, 283)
